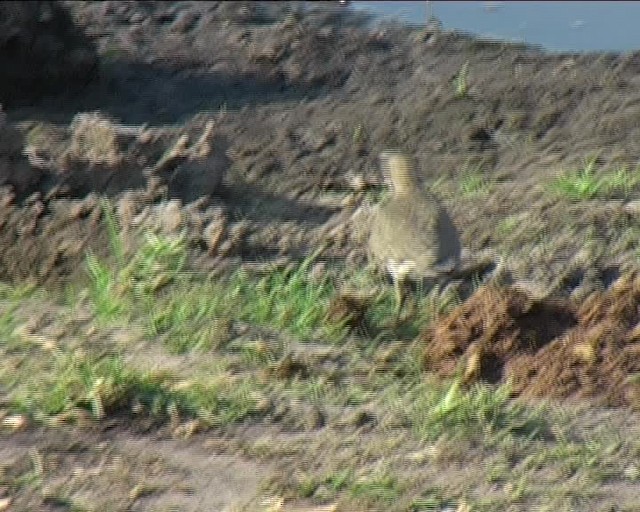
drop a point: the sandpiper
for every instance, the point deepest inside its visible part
(412, 235)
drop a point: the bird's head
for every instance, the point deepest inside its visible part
(399, 172)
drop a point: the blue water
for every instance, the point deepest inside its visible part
(556, 26)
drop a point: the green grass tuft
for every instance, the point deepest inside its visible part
(585, 184)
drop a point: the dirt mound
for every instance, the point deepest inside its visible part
(52, 178)
(44, 242)
(97, 154)
(14, 166)
(41, 51)
(545, 348)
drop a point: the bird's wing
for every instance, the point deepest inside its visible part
(399, 232)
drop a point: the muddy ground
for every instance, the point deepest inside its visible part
(256, 128)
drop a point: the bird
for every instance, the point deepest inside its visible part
(411, 234)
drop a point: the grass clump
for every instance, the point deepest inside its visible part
(376, 489)
(103, 291)
(115, 289)
(585, 184)
(431, 499)
(460, 81)
(157, 263)
(47, 380)
(195, 313)
(474, 182)
(216, 401)
(287, 299)
(61, 381)
(434, 410)
(325, 486)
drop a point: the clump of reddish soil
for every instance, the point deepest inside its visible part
(544, 348)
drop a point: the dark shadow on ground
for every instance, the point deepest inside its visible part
(250, 202)
(138, 93)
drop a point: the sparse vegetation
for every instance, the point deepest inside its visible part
(585, 183)
(474, 182)
(187, 313)
(510, 224)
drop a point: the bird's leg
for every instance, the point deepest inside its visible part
(410, 304)
(398, 283)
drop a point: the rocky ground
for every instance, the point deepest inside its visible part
(254, 128)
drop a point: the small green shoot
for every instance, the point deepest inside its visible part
(460, 82)
(474, 182)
